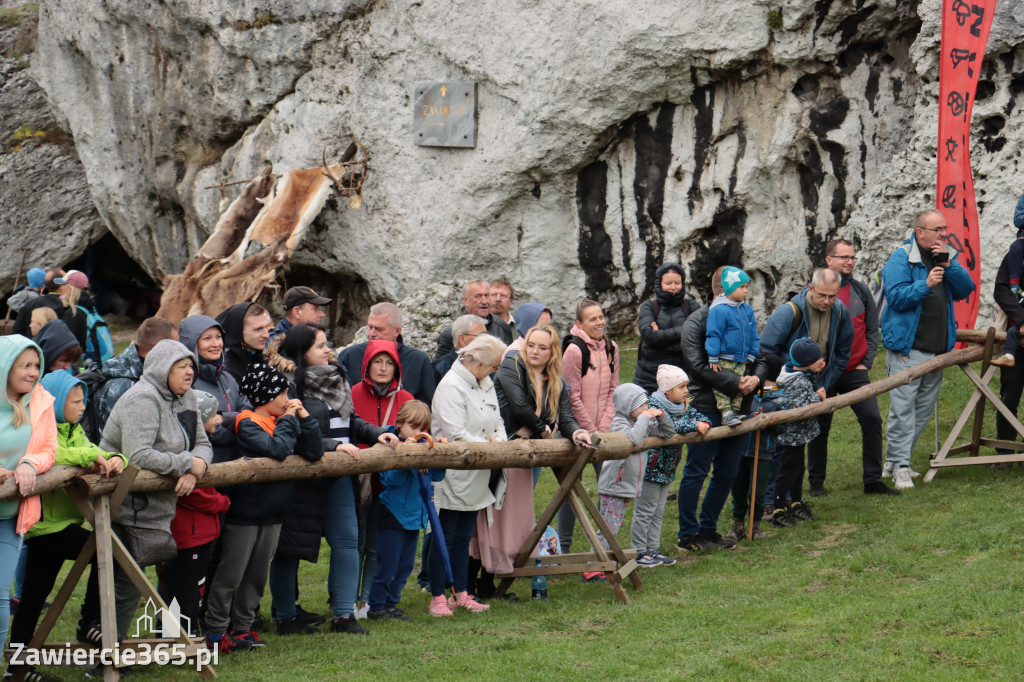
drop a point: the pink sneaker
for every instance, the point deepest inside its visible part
(439, 606)
(463, 600)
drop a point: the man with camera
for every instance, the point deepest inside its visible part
(921, 280)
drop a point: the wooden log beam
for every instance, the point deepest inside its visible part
(510, 454)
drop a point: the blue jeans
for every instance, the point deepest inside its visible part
(341, 528)
(10, 551)
(725, 455)
(284, 571)
(458, 527)
(396, 556)
(910, 406)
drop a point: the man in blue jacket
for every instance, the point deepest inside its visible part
(921, 282)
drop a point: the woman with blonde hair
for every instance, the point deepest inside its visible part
(75, 299)
(28, 446)
(534, 403)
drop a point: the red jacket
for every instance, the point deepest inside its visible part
(197, 519)
(367, 401)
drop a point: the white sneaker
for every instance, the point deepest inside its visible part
(903, 478)
(913, 474)
(360, 612)
(887, 469)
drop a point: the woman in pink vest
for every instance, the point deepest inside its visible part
(591, 369)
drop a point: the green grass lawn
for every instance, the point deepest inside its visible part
(924, 586)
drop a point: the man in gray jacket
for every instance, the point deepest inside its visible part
(157, 427)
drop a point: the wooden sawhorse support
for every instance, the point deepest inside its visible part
(976, 406)
(617, 566)
(109, 549)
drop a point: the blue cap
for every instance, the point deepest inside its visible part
(36, 277)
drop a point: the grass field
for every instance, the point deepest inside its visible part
(924, 586)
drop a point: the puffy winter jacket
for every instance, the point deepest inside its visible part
(660, 346)
(518, 402)
(591, 393)
(213, 377)
(731, 332)
(798, 390)
(197, 520)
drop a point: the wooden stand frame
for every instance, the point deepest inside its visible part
(976, 407)
(108, 549)
(617, 564)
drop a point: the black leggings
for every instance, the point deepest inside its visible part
(46, 556)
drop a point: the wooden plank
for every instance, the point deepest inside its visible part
(958, 427)
(979, 411)
(994, 399)
(105, 576)
(581, 557)
(563, 569)
(981, 459)
(1005, 444)
(628, 568)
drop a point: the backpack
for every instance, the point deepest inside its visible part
(94, 380)
(571, 340)
(99, 345)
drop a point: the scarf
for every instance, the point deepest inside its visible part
(327, 383)
(209, 370)
(674, 409)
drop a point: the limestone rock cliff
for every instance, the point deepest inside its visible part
(612, 136)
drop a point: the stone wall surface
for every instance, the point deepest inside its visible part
(612, 135)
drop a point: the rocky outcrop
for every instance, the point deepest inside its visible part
(612, 136)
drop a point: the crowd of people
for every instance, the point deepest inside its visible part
(205, 390)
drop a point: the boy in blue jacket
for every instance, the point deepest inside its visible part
(731, 340)
(402, 516)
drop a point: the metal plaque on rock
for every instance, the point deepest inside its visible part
(445, 114)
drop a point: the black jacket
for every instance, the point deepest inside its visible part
(24, 318)
(261, 504)
(702, 379)
(236, 356)
(518, 403)
(304, 519)
(1005, 298)
(660, 346)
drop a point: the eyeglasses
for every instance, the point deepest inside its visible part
(936, 230)
(824, 297)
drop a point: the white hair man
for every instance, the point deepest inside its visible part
(464, 330)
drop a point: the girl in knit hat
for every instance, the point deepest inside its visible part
(649, 512)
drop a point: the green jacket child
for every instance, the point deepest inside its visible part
(73, 449)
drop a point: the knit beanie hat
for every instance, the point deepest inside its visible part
(262, 383)
(732, 279)
(670, 376)
(804, 352)
(207, 405)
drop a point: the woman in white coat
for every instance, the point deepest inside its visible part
(465, 407)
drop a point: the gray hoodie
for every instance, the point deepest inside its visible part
(624, 477)
(160, 432)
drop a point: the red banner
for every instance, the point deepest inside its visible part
(965, 29)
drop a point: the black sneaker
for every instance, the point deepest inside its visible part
(309, 618)
(389, 613)
(295, 626)
(89, 633)
(818, 490)
(688, 543)
(348, 625)
(781, 518)
(879, 488)
(802, 511)
(717, 540)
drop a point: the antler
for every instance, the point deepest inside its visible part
(351, 182)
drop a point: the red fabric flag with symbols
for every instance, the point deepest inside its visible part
(965, 29)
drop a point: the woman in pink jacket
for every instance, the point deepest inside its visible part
(591, 369)
(28, 445)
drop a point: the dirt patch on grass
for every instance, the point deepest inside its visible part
(834, 536)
